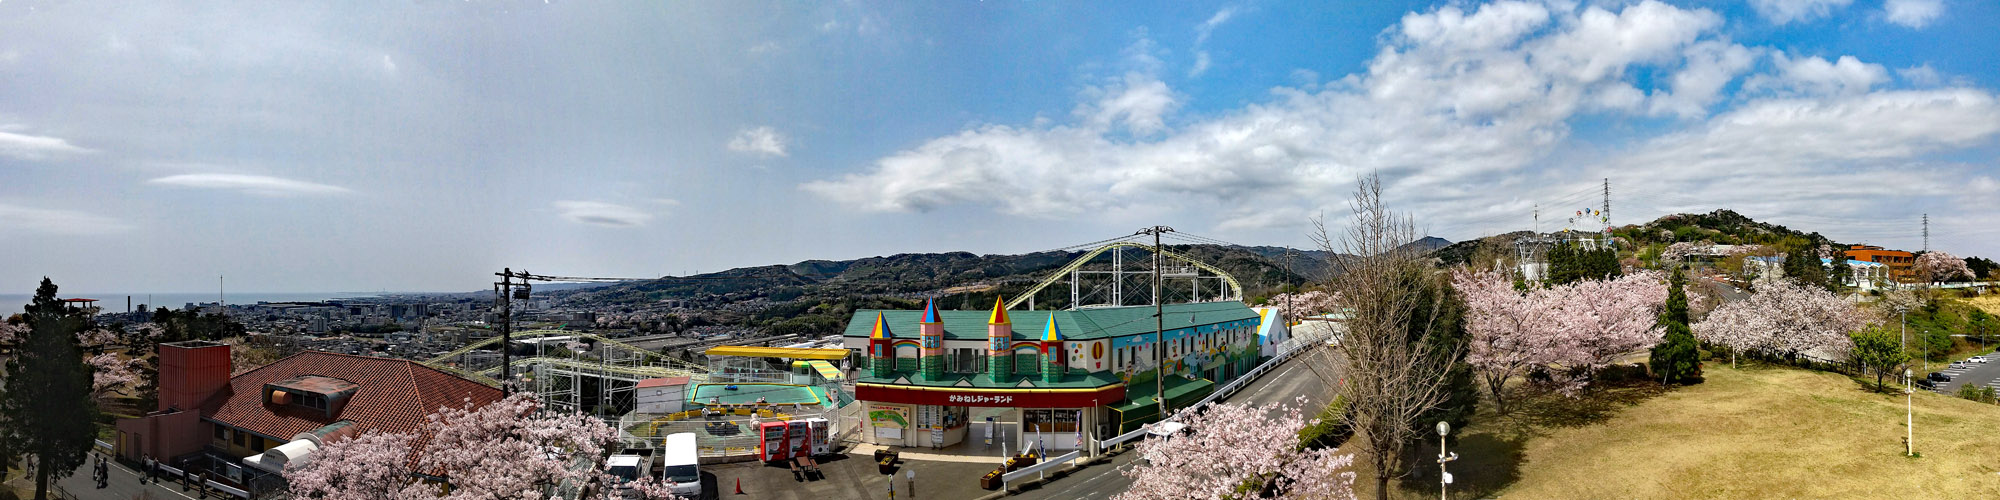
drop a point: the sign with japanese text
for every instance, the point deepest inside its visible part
(1024, 398)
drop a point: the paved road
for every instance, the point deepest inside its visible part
(124, 485)
(1289, 380)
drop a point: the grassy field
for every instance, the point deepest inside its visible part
(1756, 432)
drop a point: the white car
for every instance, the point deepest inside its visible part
(1976, 359)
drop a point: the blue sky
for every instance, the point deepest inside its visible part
(393, 146)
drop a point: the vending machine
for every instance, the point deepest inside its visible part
(822, 439)
(801, 438)
(771, 443)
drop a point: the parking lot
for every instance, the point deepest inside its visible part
(1977, 374)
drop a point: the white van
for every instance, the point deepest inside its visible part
(681, 464)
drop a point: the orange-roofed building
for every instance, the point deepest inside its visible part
(1902, 265)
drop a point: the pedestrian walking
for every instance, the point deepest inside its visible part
(149, 471)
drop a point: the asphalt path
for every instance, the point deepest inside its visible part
(1977, 374)
(1284, 384)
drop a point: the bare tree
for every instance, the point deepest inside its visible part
(1382, 360)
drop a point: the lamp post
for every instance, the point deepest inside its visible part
(1444, 477)
(1909, 415)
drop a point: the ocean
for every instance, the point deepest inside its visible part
(115, 302)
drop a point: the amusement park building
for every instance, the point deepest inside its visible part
(1050, 379)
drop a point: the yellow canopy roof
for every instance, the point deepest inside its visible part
(776, 352)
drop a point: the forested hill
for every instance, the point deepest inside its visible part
(926, 275)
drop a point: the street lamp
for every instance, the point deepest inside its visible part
(1909, 415)
(1444, 477)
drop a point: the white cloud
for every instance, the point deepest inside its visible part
(767, 46)
(1912, 13)
(1921, 76)
(602, 214)
(259, 185)
(761, 141)
(388, 64)
(1139, 102)
(1201, 34)
(1786, 11)
(36, 147)
(1710, 66)
(1468, 116)
(1816, 77)
(53, 221)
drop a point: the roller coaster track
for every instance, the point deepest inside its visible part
(443, 361)
(634, 373)
(1064, 272)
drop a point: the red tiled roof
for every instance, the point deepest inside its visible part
(394, 396)
(661, 382)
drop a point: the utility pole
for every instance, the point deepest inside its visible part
(506, 292)
(1607, 202)
(1159, 325)
(1927, 233)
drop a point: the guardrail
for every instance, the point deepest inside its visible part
(1290, 348)
(1039, 469)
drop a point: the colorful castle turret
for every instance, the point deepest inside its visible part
(1052, 352)
(999, 340)
(881, 353)
(930, 353)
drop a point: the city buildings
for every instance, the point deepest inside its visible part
(1050, 379)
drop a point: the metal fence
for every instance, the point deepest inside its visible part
(723, 435)
(1297, 345)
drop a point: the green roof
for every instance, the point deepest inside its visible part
(1086, 324)
(1140, 405)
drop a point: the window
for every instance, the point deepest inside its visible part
(221, 433)
(258, 443)
(238, 439)
(964, 361)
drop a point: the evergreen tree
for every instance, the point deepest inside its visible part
(1443, 309)
(1677, 358)
(1802, 266)
(1842, 272)
(47, 406)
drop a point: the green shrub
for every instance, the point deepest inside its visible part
(1981, 394)
(1331, 431)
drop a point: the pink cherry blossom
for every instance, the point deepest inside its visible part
(1574, 330)
(1783, 318)
(1226, 446)
(513, 448)
(1940, 266)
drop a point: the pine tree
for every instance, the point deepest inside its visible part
(1677, 358)
(47, 406)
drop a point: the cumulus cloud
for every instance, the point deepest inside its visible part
(1467, 114)
(1815, 76)
(602, 214)
(1912, 13)
(760, 141)
(53, 221)
(36, 147)
(260, 185)
(1786, 11)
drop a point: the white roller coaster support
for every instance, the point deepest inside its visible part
(1233, 292)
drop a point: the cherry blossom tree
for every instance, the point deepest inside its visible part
(1575, 329)
(1508, 328)
(1240, 451)
(507, 449)
(11, 334)
(1298, 305)
(1598, 321)
(1937, 267)
(1783, 319)
(109, 372)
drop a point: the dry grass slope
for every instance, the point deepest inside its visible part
(1758, 432)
